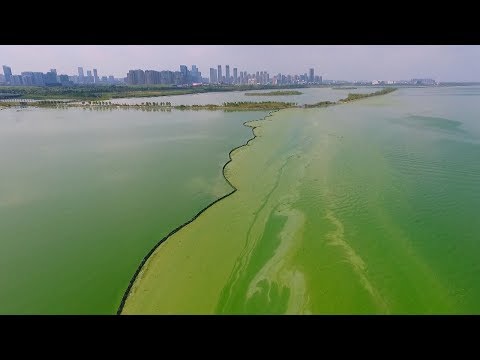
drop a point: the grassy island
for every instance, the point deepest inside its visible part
(319, 104)
(352, 97)
(276, 93)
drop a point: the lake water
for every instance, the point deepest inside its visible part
(367, 207)
(84, 195)
(308, 96)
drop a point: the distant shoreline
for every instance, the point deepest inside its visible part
(104, 93)
(167, 106)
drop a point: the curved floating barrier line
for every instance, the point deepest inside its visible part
(146, 257)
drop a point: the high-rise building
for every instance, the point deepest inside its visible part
(219, 73)
(235, 79)
(196, 76)
(81, 77)
(16, 80)
(185, 78)
(27, 78)
(53, 71)
(96, 80)
(64, 80)
(152, 77)
(227, 74)
(311, 76)
(136, 77)
(39, 79)
(320, 79)
(166, 77)
(213, 76)
(7, 72)
(50, 78)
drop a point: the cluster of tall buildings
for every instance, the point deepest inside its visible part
(167, 77)
(34, 78)
(260, 77)
(92, 79)
(51, 78)
(183, 77)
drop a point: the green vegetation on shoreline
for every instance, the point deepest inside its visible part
(167, 106)
(276, 93)
(319, 104)
(352, 97)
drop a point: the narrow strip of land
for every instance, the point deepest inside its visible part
(275, 93)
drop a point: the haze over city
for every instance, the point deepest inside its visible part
(359, 62)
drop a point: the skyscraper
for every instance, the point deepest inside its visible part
(235, 75)
(184, 74)
(89, 78)
(136, 77)
(54, 71)
(96, 80)
(152, 77)
(27, 78)
(195, 74)
(213, 76)
(219, 74)
(16, 80)
(81, 77)
(227, 74)
(50, 78)
(7, 71)
(311, 76)
(38, 78)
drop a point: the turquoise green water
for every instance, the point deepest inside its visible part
(84, 195)
(367, 207)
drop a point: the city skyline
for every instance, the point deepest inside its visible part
(342, 62)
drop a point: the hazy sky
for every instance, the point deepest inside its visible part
(340, 62)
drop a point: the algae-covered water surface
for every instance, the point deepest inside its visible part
(84, 195)
(366, 207)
